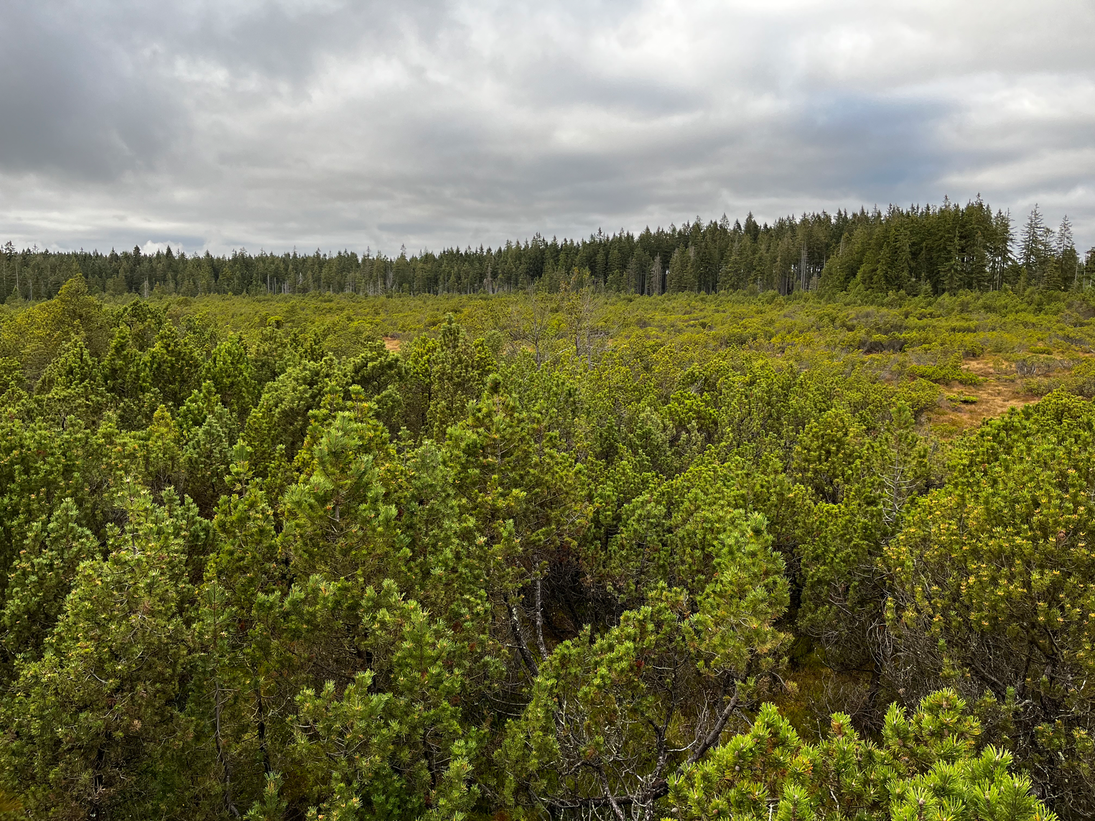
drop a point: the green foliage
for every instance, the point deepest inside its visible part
(41, 578)
(232, 373)
(992, 584)
(276, 428)
(550, 554)
(126, 376)
(71, 385)
(35, 335)
(174, 366)
(457, 370)
(843, 587)
(927, 766)
(391, 745)
(612, 717)
(89, 716)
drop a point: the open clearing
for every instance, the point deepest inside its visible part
(999, 391)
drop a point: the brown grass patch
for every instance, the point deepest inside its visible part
(998, 393)
(391, 343)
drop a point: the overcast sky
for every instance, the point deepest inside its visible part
(220, 124)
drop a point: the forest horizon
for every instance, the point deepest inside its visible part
(929, 249)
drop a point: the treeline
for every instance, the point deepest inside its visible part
(491, 577)
(929, 250)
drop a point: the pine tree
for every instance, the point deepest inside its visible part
(1068, 259)
(109, 675)
(930, 765)
(1034, 254)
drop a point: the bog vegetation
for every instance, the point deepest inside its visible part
(560, 553)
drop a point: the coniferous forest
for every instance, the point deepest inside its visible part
(922, 250)
(727, 521)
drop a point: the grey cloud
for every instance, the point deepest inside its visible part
(74, 104)
(332, 124)
(284, 42)
(869, 143)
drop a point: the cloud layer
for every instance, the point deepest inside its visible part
(317, 123)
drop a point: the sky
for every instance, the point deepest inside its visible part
(225, 124)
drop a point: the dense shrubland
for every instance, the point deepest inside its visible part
(557, 555)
